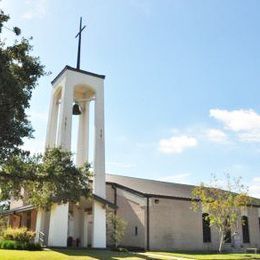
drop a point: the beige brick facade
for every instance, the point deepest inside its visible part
(173, 225)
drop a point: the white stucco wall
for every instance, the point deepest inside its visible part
(99, 225)
(58, 230)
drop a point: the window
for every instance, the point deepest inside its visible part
(136, 231)
(28, 220)
(245, 229)
(206, 228)
(227, 237)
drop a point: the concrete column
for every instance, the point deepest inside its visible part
(99, 212)
(85, 230)
(65, 120)
(40, 220)
(76, 215)
(83, 135)
(99, 225)
(99, 152)
(52, 122)
(58, 231)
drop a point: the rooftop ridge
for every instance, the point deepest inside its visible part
(152, 180)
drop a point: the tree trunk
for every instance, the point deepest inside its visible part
(221, 241)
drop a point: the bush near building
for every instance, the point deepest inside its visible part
(19, 239)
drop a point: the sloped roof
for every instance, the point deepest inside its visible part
(152, 187)
(77, 70)
(158, 188)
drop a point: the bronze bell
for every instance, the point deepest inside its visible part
(76, 109)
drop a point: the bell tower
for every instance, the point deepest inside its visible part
(72, 91)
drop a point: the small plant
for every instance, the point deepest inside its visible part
(3, 224)
(18, 234)
(118, 226)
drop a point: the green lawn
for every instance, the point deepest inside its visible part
(170, 255)
(105, 254)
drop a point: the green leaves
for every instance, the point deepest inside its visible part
(48, 179)
(117, 228)
(17, 30)
(19, 73)
(223, 206)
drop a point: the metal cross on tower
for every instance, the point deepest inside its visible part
(79, 43)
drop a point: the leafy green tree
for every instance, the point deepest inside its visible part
(223, 206)
(41, 180)
(116, 229)
(19, 73)
(45, 180)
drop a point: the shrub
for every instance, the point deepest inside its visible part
(18, 234)
(7, 244)
(120, 249)
(116, 230)
(18, 245)
(3, 223)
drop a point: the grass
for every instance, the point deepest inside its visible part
(202, 255)
(64, 254)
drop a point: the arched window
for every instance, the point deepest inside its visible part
(245, 229)
(206, 228)
(227, 237)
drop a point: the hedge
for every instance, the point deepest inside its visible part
(18, 234)
(18, 245)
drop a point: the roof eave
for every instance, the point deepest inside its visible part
(67, 67)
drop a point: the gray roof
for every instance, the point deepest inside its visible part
(153, 187)
(158, 188)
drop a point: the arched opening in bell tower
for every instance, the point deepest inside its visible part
(82, 144)
(82, 147)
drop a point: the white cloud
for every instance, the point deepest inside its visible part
(237, 120)
(35, 9)
(178, 178)
(177, 144)
(244, 122)
(254, 187)
(253, 136)
(216, 135)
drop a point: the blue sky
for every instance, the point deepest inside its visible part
(182, 81)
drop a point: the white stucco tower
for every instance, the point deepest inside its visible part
(74, 86)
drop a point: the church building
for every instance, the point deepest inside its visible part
(158, 214)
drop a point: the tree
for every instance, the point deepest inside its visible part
(222, 206)
(45, 180)
(19, 73)
(117, 228)
(5, 205)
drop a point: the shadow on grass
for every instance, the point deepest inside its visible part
(98, 253)
(210, 255)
